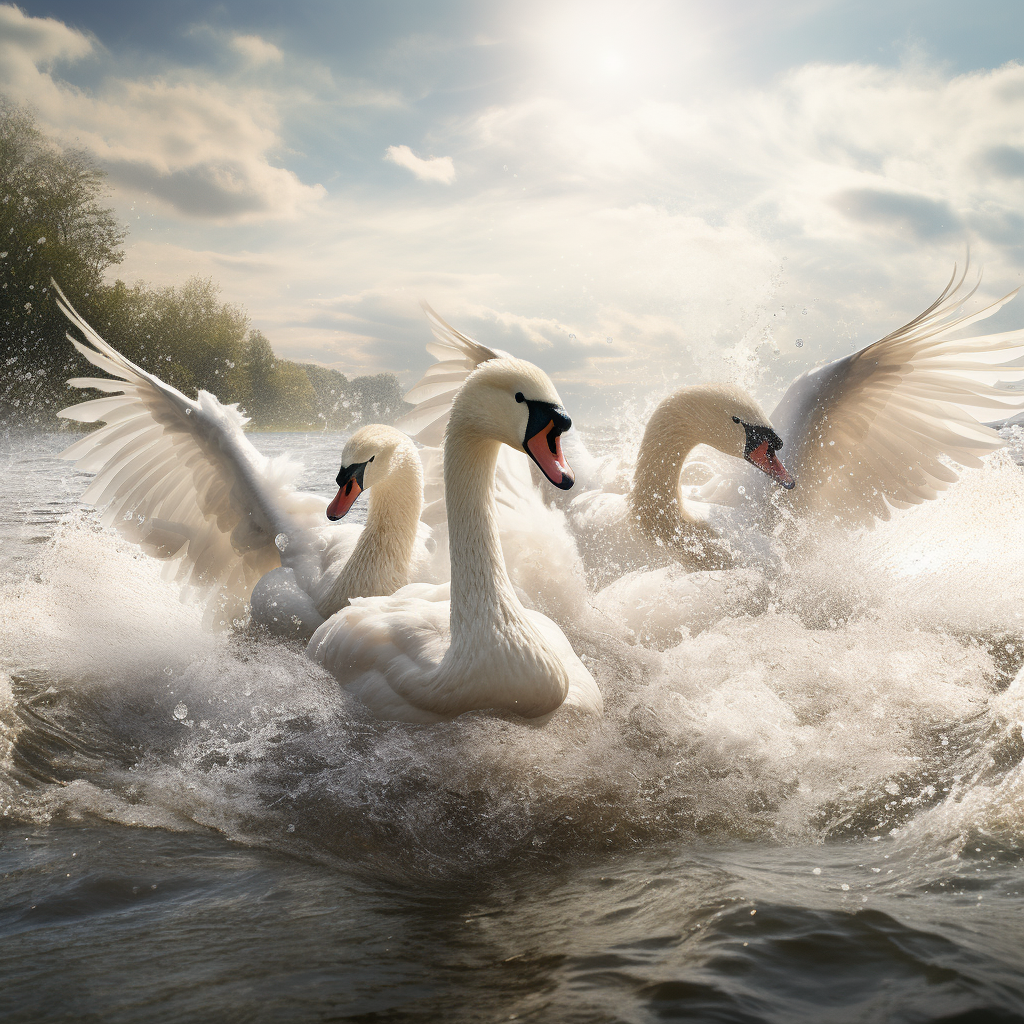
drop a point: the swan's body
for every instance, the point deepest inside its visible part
(430, 653)
(863, 434)
(180, 478)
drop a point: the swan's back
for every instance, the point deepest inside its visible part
(384, 650)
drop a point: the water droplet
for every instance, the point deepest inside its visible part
(181, 712)
(804, 311)
(291, 828)
(741, 489)
(281, 540)
(188, 412)
(609, 340)
(800, 342)
(816, 871)
(572, 337)
(844, 887)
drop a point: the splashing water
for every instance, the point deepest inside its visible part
(864, 695)
(791, 718)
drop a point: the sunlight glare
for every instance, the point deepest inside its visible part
(596, 48)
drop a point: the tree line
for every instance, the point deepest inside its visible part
(53, 224)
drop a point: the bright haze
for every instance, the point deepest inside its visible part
(633, 196)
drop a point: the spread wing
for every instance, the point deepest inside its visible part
(870, 431)
(179, 477)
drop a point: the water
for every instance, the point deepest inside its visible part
(811, 813)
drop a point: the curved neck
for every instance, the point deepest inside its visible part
(672, 432)
(680, 423)
(379, 563)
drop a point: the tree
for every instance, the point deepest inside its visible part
(378, 399)
(52, 225)
(333, 393)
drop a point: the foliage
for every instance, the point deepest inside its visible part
(53, 225)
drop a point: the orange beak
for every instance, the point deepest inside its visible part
(343, 500)
(768, 462)
(547, 453)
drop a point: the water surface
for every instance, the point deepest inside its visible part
(812, 813)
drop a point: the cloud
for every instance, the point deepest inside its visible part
(201, 146)
(924, 218)
(1005, 161)
(27, 41)
(439, 168)
(215, 190)
(626, 241)
(256, 51)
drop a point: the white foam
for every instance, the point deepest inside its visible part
(860, 694)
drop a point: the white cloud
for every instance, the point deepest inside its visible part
(702, 238)
(202, 147)
(694, 232)
(27, 41)
(438, 168)
(256, 50)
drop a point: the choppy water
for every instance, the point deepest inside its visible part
(810, 813)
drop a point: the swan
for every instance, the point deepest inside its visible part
(330, 566)
(179, 478)
(864, 434)
(429, 653)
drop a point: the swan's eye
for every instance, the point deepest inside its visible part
(372, 457)
(735, 419)
(519, 397)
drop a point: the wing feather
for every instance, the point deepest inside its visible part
(876, 424)
(178, 476)
(432, 395)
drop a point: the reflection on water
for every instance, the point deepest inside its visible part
(812, 812)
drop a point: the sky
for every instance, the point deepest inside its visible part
(632, 196)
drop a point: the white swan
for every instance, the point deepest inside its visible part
(180, 478)
(431, 653)
(863, 434)
(323, 569)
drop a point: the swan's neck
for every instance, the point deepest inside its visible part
(678, 425)
(379, 563)
(497, 658)
(483, 601)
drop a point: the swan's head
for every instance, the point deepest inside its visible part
(738, 426)
(513, 401)
(367, 459)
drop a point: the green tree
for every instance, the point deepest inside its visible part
(184, 334)
(378, 399)
(333, 392)
(53, 224)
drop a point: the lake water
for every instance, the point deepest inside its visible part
(814, 813)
